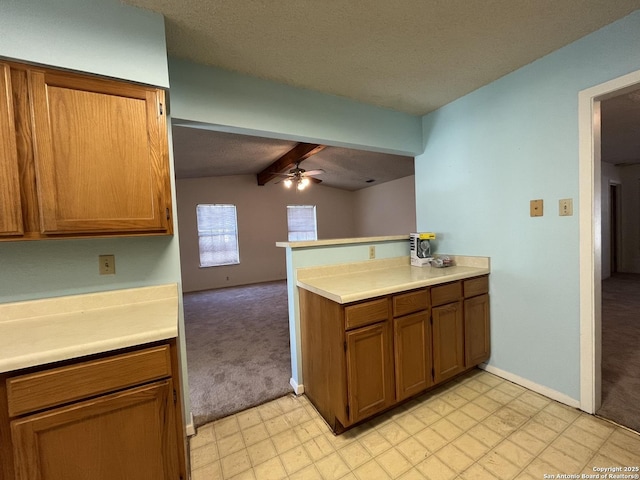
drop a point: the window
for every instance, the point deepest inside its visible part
(301, 220)
(217, 235)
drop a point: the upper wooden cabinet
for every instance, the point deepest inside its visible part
(10, 210)
(91, 153)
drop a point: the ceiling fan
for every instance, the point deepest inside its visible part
(300, 177)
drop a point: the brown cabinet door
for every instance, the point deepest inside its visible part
(448, 341)
(476, 330)
(122, 436)
(370, 374)
(100, 155)
(412, 341)
(10, 205)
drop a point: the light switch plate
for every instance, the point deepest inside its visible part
(536, 208)
(107, 264)
(566, 207)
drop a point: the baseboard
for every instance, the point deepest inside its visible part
(189, 427)
(541, 389)
(297, 389)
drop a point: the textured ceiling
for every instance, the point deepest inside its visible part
(413, 56)
(202, 152)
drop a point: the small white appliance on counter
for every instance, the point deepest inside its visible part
(420, 246)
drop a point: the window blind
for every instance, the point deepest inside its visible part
(217, 235)
(301, 221)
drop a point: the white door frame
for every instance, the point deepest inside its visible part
(590, 186)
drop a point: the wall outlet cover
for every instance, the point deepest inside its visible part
(565, 206)
(107, 264)
(536, 208)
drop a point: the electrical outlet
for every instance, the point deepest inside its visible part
(566, 207)
(107, 264)
(372, 252)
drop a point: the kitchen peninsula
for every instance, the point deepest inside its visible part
(373, 333)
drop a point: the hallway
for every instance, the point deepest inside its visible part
(620, 352)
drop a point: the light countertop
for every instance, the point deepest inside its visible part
(361, 280)
(53, 329)
(341, 241)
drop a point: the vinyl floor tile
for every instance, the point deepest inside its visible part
(476, 427)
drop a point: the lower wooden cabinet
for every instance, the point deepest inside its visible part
(113, 417)
(369, 370)
(476, 328)
(413, 354)
(448, 341)
(363, 358)
(125, 435)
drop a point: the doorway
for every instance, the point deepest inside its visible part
(591, 251)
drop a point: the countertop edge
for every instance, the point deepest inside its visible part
(77, 352)
(392, 288)
(341, 241)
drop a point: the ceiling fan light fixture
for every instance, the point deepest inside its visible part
(299, 177)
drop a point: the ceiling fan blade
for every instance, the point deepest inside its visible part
(314, 172)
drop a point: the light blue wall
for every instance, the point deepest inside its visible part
(489, 153)
(102, 37)
(242, 104)
(50, 268)
(327, 255)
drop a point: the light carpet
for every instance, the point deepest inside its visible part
(237, 348)
(621, 350)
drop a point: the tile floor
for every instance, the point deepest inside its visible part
(477, 427)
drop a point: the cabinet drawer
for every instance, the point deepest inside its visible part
(407, 303)
(366, 313)
(476, 286)
(55, 386)
(443, 294)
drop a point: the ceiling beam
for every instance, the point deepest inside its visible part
(287, 161)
